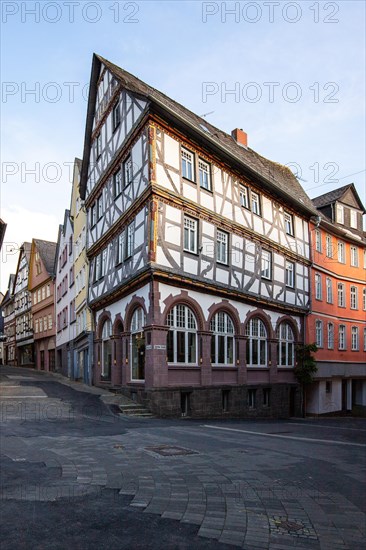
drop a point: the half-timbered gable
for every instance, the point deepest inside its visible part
(117, 112)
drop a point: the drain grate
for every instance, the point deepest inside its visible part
(289, 525)
(169, 451)
(282, 525)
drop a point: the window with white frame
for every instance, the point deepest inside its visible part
(364, 259)
(244, 197)
(222, 339)
(340, 213)
(256, 334)
(116, 116)
(342, 337)
(117, 183)
(354, 339)
(127, 171)
(341, 252)
(187, 164)
(354, 256)
(190, 238)
(354, 297)
(364, 339)
(120, 248)
(100, 206)
(318, 240)
(329, 289)
(290, 271)
(289, 223)
(330, 334)
(353, 219)
(319, 333)
(364, 299)
(328, 246)
(129, 240)
(182, 335)
(286, 345)
(93, 215)
(266, 271)
(318, 286)
(341, 295)
(98, 145)
(256, 206)
(222, 243)
(204, 174)
(50, 321)
(96, 268)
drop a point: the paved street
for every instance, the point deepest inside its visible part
(76, 475)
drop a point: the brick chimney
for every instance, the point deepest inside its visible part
(240, 137)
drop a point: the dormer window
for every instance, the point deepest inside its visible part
(340, 214)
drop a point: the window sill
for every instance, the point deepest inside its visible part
(176, 366)
(189, 180)
(190, 252)
(209, 191)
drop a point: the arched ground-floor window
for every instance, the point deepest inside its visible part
(257, 343)
(106, 350)
(182, 335)
(222, 340)
(286, 345)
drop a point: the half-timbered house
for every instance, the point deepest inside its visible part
(22, 310)
(7, 306)
(199, 256)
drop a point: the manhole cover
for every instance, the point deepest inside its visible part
(169, 450)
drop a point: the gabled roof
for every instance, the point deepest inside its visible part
(337, 195)
(9, 293)
(26, 248)
(2, 231)
(274, 176)
(47, 252)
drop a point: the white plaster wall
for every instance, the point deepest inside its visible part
(320, 402)
(120, 306)
(68, 333)
(206, 301)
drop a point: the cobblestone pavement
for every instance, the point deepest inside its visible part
(253, 485)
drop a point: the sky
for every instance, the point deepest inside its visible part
(290, 74)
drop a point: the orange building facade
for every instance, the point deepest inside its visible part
(41, 286)
(337, 320)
